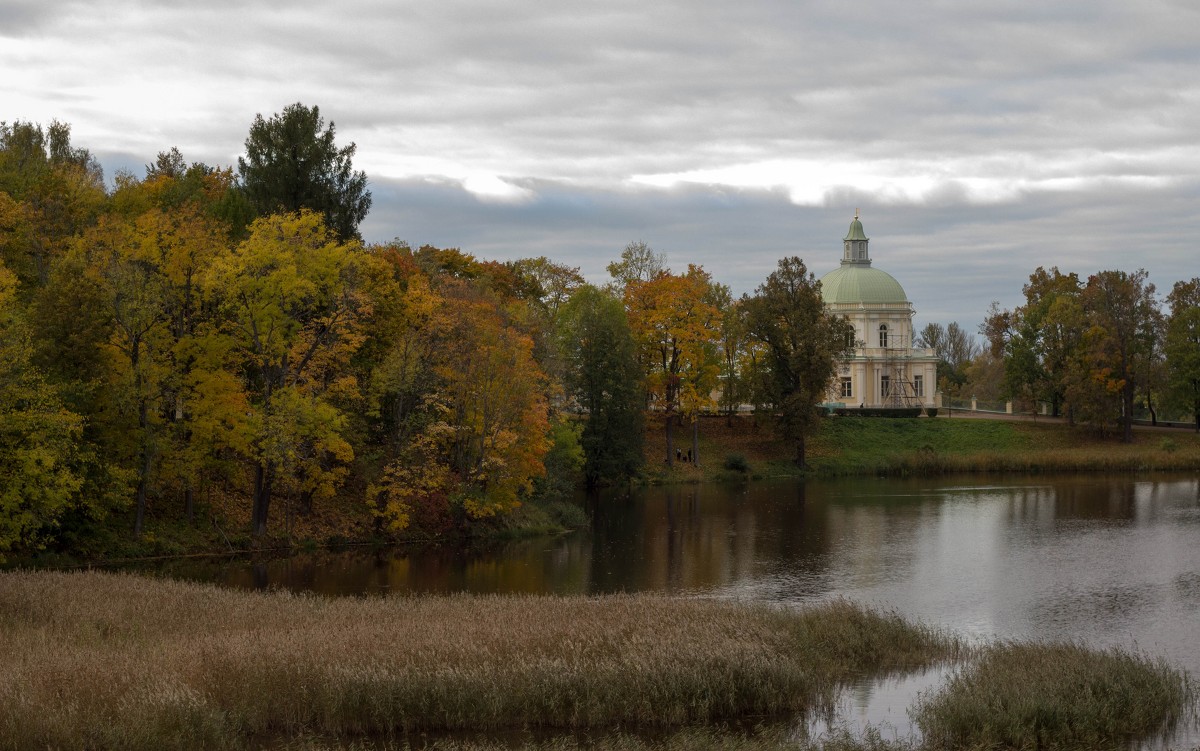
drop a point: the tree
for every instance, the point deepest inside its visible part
(804, 345)
(639, 263)
(59, 187)
(121, 261)
(954, 347)
(291, 163)
(602, 377)
(733, 351)
(290, 293)
(675, 325)
(1039, 341)
(1183, 346)
(492, 395)
(40, 476)
(544, 287)
(1123, 325)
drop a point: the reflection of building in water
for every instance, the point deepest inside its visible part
(884, 369)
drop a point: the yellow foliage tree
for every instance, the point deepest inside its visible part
(677, 326)
(291, 294)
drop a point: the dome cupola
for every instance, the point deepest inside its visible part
(855, 281)
(856, 243)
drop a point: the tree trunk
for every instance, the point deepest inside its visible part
(262, 499)
(1127, 418)
(189, 503)
(800, 451)
(144, 468)
(670, 439)
(140, 517)
(696, 441)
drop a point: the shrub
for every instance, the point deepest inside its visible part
(895, 412)
(737, 463)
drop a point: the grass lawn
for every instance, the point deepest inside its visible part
(882, 446)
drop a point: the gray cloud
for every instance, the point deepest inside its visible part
(981, 140)
(952, 259)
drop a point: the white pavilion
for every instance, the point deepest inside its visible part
(884, 369)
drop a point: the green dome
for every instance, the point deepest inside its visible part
(855, 283)
(856, 230)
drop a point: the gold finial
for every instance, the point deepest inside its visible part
(856, 213)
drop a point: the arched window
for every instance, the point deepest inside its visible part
(883, 335)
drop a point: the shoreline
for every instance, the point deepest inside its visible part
(741, 449)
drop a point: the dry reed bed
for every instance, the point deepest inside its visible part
(1055, 696)
(1091, 459)
(100, 661)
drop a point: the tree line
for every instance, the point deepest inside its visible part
(201, 327)
(1099, 349)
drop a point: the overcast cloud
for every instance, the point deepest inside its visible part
(979, 140)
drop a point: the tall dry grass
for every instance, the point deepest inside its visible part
(773, 738)
(1054, 696)
(104, 661)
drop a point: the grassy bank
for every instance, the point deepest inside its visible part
(921, 446)
(104, 661)
(112, 661)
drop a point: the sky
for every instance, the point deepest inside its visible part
(977, 140)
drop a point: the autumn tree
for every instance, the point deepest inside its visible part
(40, 473)
(399, 345)
(171, 183)
(291, 296)
(803, 345)
(1039, 341)
(137, 349)
(955, 349)
(1182, 346)
(731, 350)
(603, 378)
(292, 163)
(543, 288)
(477, 434)
(1123, 324)
(639, 263)
(675, 325)
(493, 394)
(59, 188)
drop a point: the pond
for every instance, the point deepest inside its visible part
(1109, 561)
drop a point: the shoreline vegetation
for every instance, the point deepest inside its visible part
(97, 660)
(741, 448)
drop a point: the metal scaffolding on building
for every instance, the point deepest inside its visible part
(898, 390)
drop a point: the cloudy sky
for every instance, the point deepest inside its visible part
(979, 140)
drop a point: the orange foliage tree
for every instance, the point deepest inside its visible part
(676, 325)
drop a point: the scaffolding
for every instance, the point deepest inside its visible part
(896, 387)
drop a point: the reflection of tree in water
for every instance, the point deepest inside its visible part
(771, 540)
(1045, 503)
